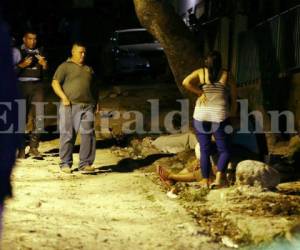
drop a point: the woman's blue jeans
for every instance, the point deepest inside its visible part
(204, 131)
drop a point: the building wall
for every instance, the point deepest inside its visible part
(182, 6)
(278, 68)
(294, 98)
(266, 92)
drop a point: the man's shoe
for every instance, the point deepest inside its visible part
(21, 153)
(66, 169)
(87, 169)
(35, 153)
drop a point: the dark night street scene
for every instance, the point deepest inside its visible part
(150, 124)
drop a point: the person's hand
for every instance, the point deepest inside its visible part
(26, 62)
(66, 102)
(42, 61)
(202, 99)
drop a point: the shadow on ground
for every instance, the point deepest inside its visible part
(127, 165)
(100, 144)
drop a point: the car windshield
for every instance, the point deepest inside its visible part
(134, 37)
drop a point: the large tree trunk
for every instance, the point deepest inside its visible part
(179, 44)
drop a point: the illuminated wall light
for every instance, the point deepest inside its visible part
(185, 5)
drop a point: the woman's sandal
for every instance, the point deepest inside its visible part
(163, 176)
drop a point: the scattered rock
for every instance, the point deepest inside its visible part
(172, 195)
(143, 147)
(229, 242)
(289, 187)
(113, 95)
(293, 148)
(39, 204)
(293, 234)
(255, 173)
(116, 90)
(175, 143)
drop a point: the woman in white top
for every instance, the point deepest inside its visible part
(211, 114)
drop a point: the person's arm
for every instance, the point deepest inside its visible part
(60, 93)
(25, 62)
(16, 56)
(41, 57)
(191, 83)
(98, 108)
(224, 77)
(58, 79)
(42, 61)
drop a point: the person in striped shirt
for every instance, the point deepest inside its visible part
(215, 92)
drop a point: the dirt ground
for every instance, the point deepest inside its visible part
(124, 206)
(52, 210)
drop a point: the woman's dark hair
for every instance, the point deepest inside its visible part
(213, 62)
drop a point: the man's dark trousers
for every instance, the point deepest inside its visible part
(32, 92)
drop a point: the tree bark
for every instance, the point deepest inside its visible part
(179, 44)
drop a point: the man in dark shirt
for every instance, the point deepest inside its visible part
(73, 84)
(30, 73)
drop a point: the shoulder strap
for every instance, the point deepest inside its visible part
(204, 82)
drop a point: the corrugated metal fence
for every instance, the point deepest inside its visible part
(270, 49)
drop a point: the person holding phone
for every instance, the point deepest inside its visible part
(30, 71)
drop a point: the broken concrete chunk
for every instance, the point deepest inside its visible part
(117, 90)
(113, 95)
(289, 187)
(175, 143)
(255, 173)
